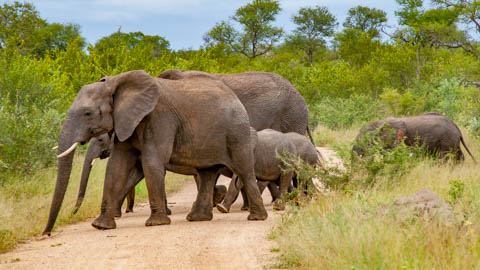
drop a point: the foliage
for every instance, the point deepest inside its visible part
(313, 25)
(356, 109)
(258, 36)
(366, 19)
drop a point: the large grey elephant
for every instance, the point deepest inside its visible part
(196, 122)
(268, 144)
(437, 133)
(271, 101)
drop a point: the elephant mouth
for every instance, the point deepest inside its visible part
(105, 154)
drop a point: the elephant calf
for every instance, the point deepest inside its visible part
(268, 167)
(437, 133)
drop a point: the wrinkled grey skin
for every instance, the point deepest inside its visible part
(268, 167)
(438, 134)
(160, 121)
(271, 101)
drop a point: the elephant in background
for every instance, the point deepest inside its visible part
(268, 167)
(437, 133)
(159, 121)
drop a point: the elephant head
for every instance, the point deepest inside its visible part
(115, 103)
(99, 148)
(390, 132)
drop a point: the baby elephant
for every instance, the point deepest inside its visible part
(268, 167)
(438, 134)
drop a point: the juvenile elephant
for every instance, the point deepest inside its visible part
(271, 101)
(268, 167)
(159, 121)
(438, 134)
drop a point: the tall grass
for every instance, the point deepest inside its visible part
(25, 200)
(343, 230)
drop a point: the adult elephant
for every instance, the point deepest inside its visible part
(437, 133)
(271, 101)
(159, 121)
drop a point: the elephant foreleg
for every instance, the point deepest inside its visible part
(130, 200)
(121, 162)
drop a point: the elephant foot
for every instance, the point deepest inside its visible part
(118, 212)
(222, 208)
(200, 216)
(278, 205)
(244, 208)
(219, 194)
(104, 223)
(129, 210)
(169, 212)
(260, 214)
(156, 220)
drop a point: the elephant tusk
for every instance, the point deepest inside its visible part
(55, 147)
(69, 150)
(93, 161)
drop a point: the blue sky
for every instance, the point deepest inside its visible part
(181, 22)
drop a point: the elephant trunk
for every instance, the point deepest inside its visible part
(63, 173)
(92, 153)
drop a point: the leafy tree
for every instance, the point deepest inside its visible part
(133, 39)
(20, 27)
(258, 35)
(468, 12)
(366, 19)
(313, 25)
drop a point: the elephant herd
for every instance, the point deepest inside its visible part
(204, 124)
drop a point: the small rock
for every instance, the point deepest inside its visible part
(425, 203)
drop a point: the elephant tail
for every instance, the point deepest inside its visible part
(311, 140)
(310, 135)
(464, 145)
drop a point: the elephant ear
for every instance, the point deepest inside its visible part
(393, 130)
(135, 95)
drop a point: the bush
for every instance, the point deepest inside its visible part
(337, 113)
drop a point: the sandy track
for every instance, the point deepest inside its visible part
(229, 241)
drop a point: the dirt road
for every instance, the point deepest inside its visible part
(229, 241)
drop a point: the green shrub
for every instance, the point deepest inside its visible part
(337, 113)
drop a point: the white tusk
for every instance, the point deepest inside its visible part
(93, 161)
(55, 147)
(69, 150)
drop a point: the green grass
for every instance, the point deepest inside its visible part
(25, 200)
(342, 230)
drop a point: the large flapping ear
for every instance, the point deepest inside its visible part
(135, 95)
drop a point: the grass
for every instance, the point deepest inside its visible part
(340, 230)
(25, 200)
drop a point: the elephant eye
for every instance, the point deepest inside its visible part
(88, 113)
(100, 140)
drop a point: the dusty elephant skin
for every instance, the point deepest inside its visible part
(271, 102)
(435, 131)
(159, 121)
(268, 167)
